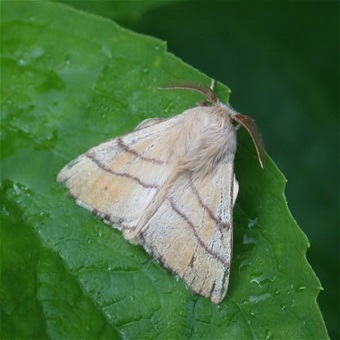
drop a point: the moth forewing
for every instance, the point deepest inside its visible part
(191, 233)
(117, 179)
(170, 186)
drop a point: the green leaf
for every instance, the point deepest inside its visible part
(72, 80)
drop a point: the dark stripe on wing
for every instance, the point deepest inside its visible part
(135, 153)
(202, 244)
(120, 174)
(221, 225)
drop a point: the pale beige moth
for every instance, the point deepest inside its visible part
(169, 186)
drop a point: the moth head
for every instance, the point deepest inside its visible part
(245, 121)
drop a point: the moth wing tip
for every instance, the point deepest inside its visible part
(61, 176)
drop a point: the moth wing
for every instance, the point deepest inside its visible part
(191, 232)
(117, 179)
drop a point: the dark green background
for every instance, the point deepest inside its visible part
(280, 60)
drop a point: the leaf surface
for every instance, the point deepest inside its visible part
(72, 80)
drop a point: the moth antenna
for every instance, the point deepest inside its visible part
(207, 92)
(249, 124)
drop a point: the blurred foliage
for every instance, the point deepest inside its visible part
(123, 11)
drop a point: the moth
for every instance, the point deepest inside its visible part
(169, 185)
